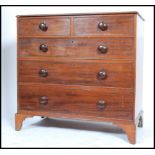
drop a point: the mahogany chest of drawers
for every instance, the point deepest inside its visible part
(81, 66)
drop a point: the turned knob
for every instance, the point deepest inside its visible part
(43, 100)
(101, 104)
(102, 26)
(43, 73)
(43, 48)
(43, 26)
(102, 49)
(102, 74)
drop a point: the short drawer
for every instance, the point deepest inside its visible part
(110, 48)
(121, 25)
(80, 100)
(43, 26)
(100, 73)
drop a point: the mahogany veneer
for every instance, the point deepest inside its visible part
(81, 66)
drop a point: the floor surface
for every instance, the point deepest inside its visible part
(47, 132)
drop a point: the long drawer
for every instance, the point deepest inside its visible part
(100, 73)
(82, 100)
(110, 48)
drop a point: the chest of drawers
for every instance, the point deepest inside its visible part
(81, 66)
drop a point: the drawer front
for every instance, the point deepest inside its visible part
(104, 25)
(80, 100)
(86, 48)
(44, 26)
(78, 72)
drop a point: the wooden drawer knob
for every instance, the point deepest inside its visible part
(43, 73)
(102, 49)
(101, 104)
(43, 100)
(43, 26)
(102, 26)
(102, 74)
(43, 48)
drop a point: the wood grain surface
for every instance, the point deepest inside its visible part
(118, 48)
(78, 73)
(78, 100)
(118, 25)
(56, 26)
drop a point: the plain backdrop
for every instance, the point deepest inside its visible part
(67, 133)
(78, 2)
